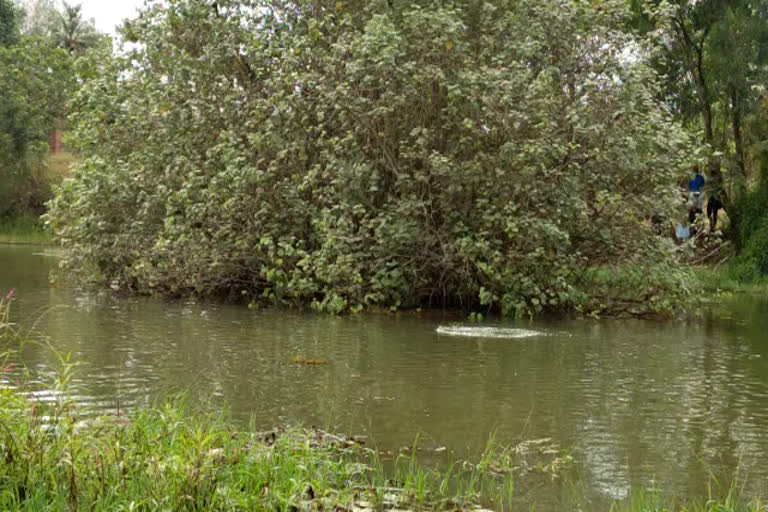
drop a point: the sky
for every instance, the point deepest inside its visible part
(109, 13)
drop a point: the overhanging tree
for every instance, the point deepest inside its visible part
(383, 153)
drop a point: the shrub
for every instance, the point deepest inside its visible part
(751, 231)
(349, 154)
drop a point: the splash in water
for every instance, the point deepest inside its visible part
(487, 332)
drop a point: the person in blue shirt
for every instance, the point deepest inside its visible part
(696, 183)
(695, 191)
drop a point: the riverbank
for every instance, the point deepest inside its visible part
(180, 455)
(165, 458)
(728, 279)
(27, 228)
(23, 231)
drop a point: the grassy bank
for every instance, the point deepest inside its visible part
(166, 459)
(162, 459)
(23, 230)
(728, 278)
(27, 228)
(653, 500)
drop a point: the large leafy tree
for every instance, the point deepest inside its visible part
(350, 154)
(737, 59)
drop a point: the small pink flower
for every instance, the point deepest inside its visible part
(9, 296)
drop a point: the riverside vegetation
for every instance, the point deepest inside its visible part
(57, 456)
(38, 50)
(35, 80)
(353, 155)
(502, 156)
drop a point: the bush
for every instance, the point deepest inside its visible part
(349, 155)
(752, 262)
(751, 231)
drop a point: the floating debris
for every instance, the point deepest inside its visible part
(542, 457)
(309, 362)
(412, 449)
(488, 332)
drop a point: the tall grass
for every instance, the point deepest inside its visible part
(6, 327)
(23, 230)
(168, 459)
(731, 500)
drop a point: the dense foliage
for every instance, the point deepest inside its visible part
(751, 263)
(714, 61)
(35, 80)
(38, 48)
(9, 23)
(381, 155)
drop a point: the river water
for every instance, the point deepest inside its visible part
(636, 402)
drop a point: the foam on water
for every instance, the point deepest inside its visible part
(487, 332)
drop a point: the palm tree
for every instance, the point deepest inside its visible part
(73, 33)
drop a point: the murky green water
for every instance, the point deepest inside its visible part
(638, 401)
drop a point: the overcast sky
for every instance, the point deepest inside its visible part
(109, 13)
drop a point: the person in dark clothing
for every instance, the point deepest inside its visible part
(714, 205)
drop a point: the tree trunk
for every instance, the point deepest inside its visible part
(736, 121)
(695, 57)
(714, 173)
